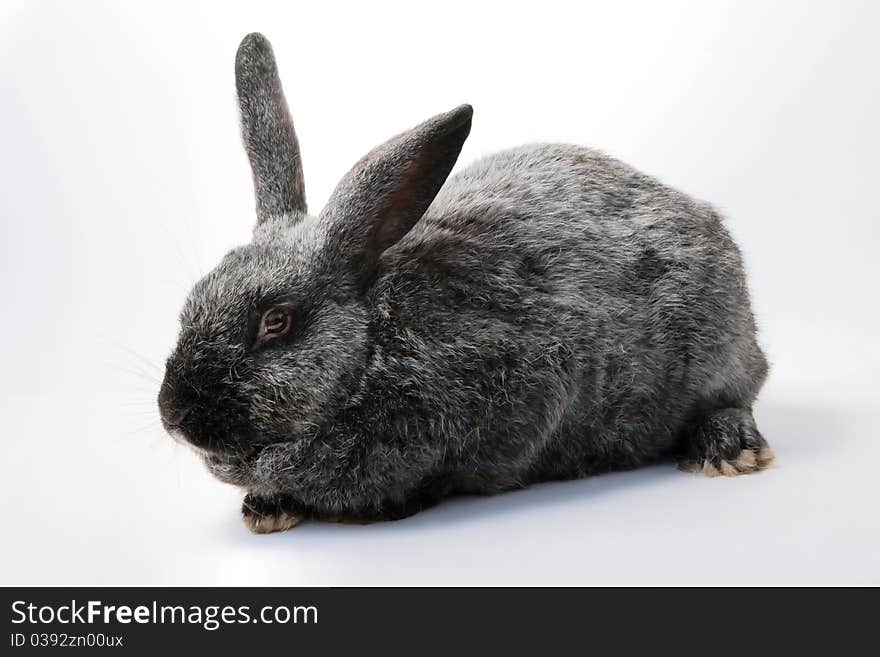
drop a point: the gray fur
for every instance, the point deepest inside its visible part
(267, 132)
(552, 314)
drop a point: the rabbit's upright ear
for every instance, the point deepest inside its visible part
(267, 132)
(389, 189)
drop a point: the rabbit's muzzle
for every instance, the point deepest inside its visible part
(200, 413)
(174, 409)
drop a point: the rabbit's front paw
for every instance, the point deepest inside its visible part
(265, 515)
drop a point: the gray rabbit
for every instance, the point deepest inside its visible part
(547, 313)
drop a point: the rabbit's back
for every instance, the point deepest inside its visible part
(600, 216)
(573, 228)
(613, 307)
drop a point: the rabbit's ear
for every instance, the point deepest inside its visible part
(267, 132)
(389, 189)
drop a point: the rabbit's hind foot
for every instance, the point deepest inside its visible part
(266, 515)
(724, 442)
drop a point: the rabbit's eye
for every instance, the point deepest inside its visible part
(275, 323)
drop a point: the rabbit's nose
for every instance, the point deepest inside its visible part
(170, 410)
(176, 416)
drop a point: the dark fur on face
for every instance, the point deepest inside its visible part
(546, 313)
(224, 391)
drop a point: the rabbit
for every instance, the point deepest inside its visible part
(547, 313)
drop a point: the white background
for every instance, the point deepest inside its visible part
(123, 180)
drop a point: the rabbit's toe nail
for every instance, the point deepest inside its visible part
(728, 470)
(746, 461)
(272, 523)
(751, 460)
(765, 457)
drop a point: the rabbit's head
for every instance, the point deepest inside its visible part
(275, 338)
